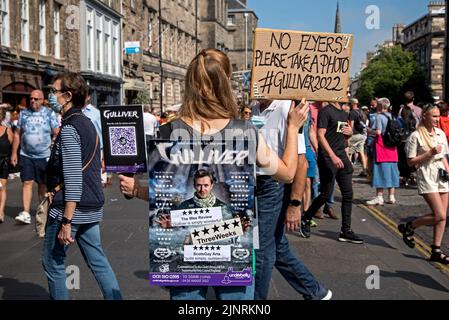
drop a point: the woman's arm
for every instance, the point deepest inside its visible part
(284, 169)
(73, 178)
(10, 135)
(424, 157)
(313, 138)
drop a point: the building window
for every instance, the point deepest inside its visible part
(90, 39)
(25, 25)
(98, 43)
(231, 20)
(172, 44)
(42, 29)
(4, 15)
(107, 44)
(56, 28)
(163, 37)
(116, 54)
(150, 34)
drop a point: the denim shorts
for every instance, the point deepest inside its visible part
(33, 169)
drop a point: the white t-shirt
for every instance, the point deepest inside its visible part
(274, 129)
(149, 123)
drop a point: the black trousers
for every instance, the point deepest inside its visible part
(328, 172)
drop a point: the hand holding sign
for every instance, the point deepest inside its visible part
(127, 185)
(298, 114)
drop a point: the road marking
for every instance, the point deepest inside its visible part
(390, 224)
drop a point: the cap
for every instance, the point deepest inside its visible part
(364, 108)
(353, 101)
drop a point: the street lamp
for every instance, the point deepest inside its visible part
(246, 41)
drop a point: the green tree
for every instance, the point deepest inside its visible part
(143, 97)
(390, 74)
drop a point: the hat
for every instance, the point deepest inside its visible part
(354, 101)
(364, 108)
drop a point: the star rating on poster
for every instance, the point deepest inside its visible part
(164, 204)
(206, 248)
(163, 186)
(240, 177)
(163, 176)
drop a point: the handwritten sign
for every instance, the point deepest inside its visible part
(295, 64)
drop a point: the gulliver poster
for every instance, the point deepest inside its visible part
(201, 213)
(123, 139)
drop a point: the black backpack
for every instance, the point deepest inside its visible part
(360, 122)
(394, 133)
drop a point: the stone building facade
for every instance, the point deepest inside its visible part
(177, 38)
(32, 47)
(426, 38)
(51, 37)
(241, 24)
(88, 36)
(446, 57)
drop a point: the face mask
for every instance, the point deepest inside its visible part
(53, 103)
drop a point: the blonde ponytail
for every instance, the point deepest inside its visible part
(208, 91)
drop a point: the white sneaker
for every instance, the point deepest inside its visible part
(328, 295)
(23, 217)
(377, 201)
(391, 200)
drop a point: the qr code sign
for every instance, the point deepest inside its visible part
(123, 141)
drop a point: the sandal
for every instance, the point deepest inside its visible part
(438, 256)
(407, 234)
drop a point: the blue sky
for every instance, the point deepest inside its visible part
(319, 15)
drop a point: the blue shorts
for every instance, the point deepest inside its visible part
(33, 169)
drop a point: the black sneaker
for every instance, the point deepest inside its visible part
(350, 236)
(304, 229)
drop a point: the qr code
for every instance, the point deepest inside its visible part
(123, 141)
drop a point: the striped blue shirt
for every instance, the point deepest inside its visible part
(70, 147)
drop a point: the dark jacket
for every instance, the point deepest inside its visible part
(92, 191)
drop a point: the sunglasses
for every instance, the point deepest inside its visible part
(35, 99)
(246, 112)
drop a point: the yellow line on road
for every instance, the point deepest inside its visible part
(421, 246)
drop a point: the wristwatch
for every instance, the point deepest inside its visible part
(295, 203)
(66, 221)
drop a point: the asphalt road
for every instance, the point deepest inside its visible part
(382, 268)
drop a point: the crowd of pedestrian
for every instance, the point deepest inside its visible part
(304, 149)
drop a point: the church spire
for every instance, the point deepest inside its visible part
(337, 28)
